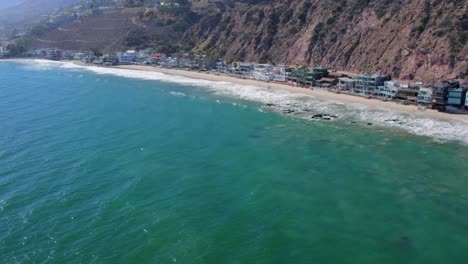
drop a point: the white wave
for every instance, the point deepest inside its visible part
(37, 64)
(302, 106)
(177, 93)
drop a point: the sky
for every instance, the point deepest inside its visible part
(7, 3)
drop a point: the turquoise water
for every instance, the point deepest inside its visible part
(103, 169)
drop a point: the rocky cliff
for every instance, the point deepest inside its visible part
(410, 39)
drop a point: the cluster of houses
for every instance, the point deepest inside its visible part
(450, 95)
(143, 57)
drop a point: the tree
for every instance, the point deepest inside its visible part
(15, 49)
(96, 52)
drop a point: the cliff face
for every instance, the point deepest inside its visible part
(421, 39)
(409, 39)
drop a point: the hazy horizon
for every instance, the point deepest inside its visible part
(9, 3)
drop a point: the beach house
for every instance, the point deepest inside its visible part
(280, 74)
(263, 76)
(53, 54)
(184, 63)
(198, 62)
(388, 90)
(220, 66)
(156, 58)
(466, 101)
(425, 96)
(439, 95)
(465, 87)
(142, 56)
(264, 72)
(49, 53)
(89, 58)
(456, 97)
(99, 60)
(297, 76)
(128, 57)
(32, 54)
(310, 78)
(346, 84)
(367, 84)
(68, 54)
(169, 63)
(326, 82)
(320, 72)
(407, 94)
(184, 60)
(244, 67)
(79, 56)
(110, 59)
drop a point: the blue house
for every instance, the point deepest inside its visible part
(127, 57)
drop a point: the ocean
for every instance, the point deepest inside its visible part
(102, 165)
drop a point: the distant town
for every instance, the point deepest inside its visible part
(448, 96)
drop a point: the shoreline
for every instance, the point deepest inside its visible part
(318, 93)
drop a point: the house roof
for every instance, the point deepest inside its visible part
(326, 80)
(346, 79)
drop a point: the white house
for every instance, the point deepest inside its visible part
(425, 96)
(389, 89)
(280, 77)
(127, 57)
(263, 76)
(466, 102)
(265, 72)
(279, 74)
(79, 56)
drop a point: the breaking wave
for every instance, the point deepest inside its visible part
(177, 93)
(297, 105)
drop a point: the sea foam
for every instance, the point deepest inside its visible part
(299, 105)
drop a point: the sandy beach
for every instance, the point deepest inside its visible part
(315, 92)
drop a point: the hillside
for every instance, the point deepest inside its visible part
(18, 15)
(410, 39)
(110, 31)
